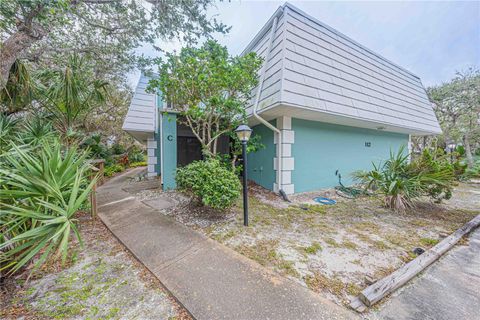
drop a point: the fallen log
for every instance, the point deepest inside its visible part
(390, 283)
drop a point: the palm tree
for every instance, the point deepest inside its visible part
(68, 94)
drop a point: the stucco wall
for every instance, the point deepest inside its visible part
(260, 163)
(321, 148)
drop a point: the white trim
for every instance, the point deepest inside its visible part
(287, 177)
(288, 164)
(160, 137)
(286, 150)
(151, 143)
(284, 123)
(288, 136)
(288, 188)
(152, 160)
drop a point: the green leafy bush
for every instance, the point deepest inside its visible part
(136, 154)
(435, 162)
(138, 164)
(37, 130)
(209, 181)
(98, 150)
(401, 182)
(117, 149)
(41, 189)
(114, 168)
(473, 172)
(8, 132)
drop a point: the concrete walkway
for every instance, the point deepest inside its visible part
(210, 280)
(449, 289)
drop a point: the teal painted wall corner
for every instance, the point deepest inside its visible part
(260, 163)
(169, 142)
(322, 148)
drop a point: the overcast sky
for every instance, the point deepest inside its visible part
(431, 39)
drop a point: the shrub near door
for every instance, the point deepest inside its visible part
(210, 182)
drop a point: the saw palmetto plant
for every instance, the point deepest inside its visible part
(41, 189)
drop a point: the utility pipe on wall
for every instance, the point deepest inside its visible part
(257, 98)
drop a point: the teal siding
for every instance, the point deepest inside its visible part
(260, 163)
(169, 141)
(321, 148)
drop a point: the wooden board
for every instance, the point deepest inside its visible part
(387, 285)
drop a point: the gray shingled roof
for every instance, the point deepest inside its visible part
(142, 111)
(314, 66)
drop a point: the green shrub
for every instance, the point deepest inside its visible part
(41, 189)
(138, 164)
(98, 150)
(473, 172)
(437, 162)
(136, 154)
(114, 168)
(209, 181)
(117, 149)
(401, 182)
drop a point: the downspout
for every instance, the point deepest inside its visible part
(255, 106)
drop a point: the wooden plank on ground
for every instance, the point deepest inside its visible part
(387, 285)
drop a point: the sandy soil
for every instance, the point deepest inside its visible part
(102, 281)
(335, 250)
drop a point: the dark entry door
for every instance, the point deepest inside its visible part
(188, 150)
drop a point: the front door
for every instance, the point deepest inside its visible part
(189, 149)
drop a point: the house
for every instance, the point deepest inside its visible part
(324, 103)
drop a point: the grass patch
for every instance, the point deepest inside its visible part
(367, 226)
(287, 267)
(420, 223)
(221, 237)
(332, 243)
(353, 290)
(401, 240)
(429, 242)
(318, 282)
(380, 245)
(408, 256)
(349, 245)
(313, 248)
(264, 251)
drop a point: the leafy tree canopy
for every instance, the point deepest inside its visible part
(106, 31)
(210, 88)
(457, 107)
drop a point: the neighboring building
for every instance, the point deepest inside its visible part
(334, 105)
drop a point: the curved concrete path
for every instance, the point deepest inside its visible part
(210, 280)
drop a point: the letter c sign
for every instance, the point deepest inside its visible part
(170, 137)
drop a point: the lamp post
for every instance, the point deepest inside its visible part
(451, 147)
(243, 133)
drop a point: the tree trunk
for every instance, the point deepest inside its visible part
(468, 151)
(14, 46)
